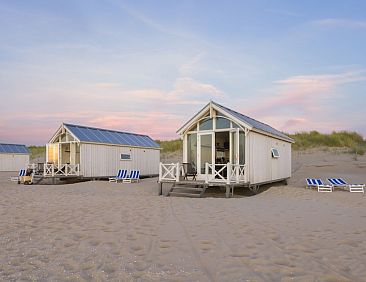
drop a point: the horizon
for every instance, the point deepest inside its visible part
(148, 67)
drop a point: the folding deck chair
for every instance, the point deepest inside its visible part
(318, 183)
(122, 174)
(21, 173)
(339, 182)
(133, 177)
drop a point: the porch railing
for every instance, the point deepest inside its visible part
(169, 172)
(61, 170)
(214, 173)
(225, 173)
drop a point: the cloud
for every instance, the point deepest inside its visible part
(308, 92)
(305, 102)
(38, 128)
(185, 91)
(340, 23)
(151, 23)
(104, 85)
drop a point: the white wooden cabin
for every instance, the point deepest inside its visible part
(227, 147)
(76, 150)
(13, 157)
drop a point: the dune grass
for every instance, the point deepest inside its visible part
(345, 139)
(37, 151)
(170, 145)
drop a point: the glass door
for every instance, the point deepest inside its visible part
(53, 153)
(205, 152)
(234, 136)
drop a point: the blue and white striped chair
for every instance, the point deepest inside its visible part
(21, 173)
(318, 183)
(339, 182)
(134, 177)
(121, 175)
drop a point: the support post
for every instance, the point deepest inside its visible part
(160, 171)
(178, 173)
(160, 192)
(227, 194)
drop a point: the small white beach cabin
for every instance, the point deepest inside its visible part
(76, 150)
(13, 157)
(229, 148)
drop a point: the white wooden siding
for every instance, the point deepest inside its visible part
(98, 160)
(13, 162)
(262, 167)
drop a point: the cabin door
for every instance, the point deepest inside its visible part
(205, 152)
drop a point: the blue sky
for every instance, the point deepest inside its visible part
(148, 66)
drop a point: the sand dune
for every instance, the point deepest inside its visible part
(97, 231)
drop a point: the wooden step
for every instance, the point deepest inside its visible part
(180, 194)
(186, 191)
(188, 188)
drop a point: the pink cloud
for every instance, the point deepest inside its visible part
(38, 128)
(304, 102)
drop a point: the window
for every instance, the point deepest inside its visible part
(206, 124)
(194, 128)
(192, 148)
(222, 123)
(275, 153)
(125, 157)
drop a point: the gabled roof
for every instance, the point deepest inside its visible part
(106, 136)
(13, 149)
(245, 121)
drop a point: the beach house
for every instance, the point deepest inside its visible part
(224, 147)
(13, 157)
(89, 152)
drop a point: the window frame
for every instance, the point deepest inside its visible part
(125, 159)
(275, 153)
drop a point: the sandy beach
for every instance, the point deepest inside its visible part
(95, 231)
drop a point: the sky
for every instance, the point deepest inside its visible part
(149, 66)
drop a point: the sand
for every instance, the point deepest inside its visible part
(95, 231)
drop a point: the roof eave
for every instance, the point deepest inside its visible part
(288, 139)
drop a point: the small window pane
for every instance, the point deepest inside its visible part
(235, 125)
(275, 153)
(194, 128)
(125, 157)
(222, 123)
(206, 124)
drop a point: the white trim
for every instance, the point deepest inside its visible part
(199, 153)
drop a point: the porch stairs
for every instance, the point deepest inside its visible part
(187, 190)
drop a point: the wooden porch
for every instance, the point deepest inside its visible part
(222, 175)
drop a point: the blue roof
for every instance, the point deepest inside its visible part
(13, 149)
(105, 136)
(255, 123)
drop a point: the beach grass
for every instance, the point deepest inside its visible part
(341, 139)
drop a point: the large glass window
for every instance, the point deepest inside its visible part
(206, 124)
(222, 123)
(53, 153)
(206, 151)
(241, 147)
(192, 149)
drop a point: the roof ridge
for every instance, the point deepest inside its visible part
(13, 144)
(104, 129)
